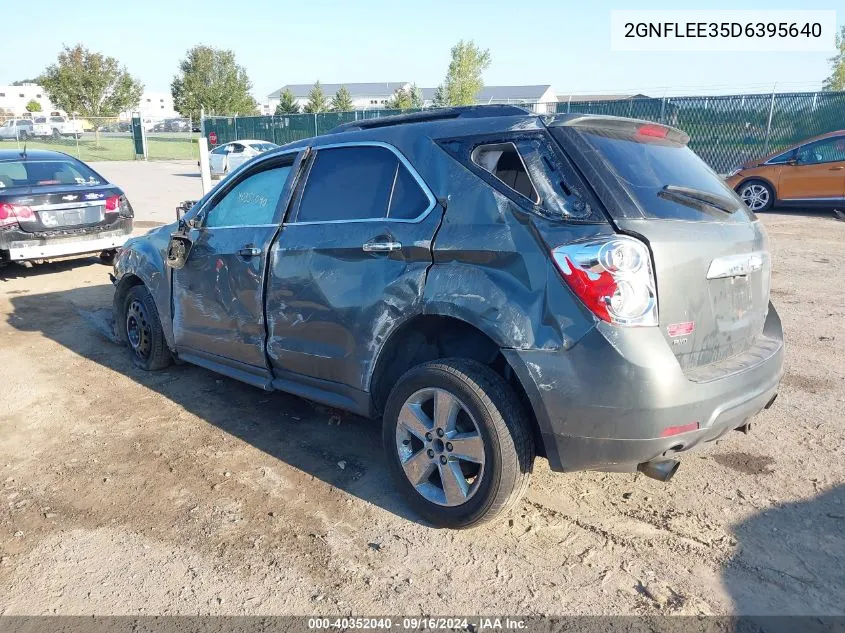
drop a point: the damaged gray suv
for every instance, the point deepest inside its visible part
(492, 284)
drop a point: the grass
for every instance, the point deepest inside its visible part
(113, 147)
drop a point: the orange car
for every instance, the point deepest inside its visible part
(810, 175)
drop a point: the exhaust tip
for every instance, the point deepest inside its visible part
(662, 470)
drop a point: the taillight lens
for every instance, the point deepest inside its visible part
(13, 213)
(112, 203)
(613, 277)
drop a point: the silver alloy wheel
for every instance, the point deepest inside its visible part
(754, 196)
(440, 447)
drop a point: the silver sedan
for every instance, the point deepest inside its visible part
(229, 156)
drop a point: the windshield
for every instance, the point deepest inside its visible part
(46, 173)
(263, 147)
(647, 166)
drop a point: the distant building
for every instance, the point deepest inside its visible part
(156, 104)
(593, 98)
(365, 96)
(516, 95)
(14, 98)
(370, 96)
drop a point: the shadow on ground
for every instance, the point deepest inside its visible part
(14, 270)
(338, 448)
(789, 559)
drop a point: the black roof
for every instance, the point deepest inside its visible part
(17, 154)
(439, 114)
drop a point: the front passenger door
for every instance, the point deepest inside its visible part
(218, 296)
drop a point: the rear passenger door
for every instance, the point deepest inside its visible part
(350, 262)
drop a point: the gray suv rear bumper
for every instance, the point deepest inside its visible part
(604, 406)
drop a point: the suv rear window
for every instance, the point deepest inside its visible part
(45, 173)
(646, 165)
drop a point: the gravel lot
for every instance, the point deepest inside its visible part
(126, 492)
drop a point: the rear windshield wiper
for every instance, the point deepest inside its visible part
(689, 195)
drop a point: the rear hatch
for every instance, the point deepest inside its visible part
(711, 261)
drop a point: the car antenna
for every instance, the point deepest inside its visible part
(23, 153)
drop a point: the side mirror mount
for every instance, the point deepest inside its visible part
(183, 207)
(178, 250)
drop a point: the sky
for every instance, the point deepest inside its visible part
(565, 44)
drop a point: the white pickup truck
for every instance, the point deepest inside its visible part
(56, 126)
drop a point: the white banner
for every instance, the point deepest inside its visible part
(707, 30)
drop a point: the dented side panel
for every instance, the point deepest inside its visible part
(143, 257)
(218, 295)
(492, 269)
(331, 305)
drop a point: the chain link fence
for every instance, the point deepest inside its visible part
(100, 138)
(729, 130)
(724, 130)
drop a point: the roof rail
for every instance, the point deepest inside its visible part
(436, 114)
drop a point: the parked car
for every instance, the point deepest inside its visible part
(41, 126)
(492, 284)
(61, 125)
(16, 129)
(229, 156)
(177, 125)
(810, 174)
(53, 205)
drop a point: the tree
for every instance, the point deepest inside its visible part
(287, 103)
(90, 83)
(316, 99)
(836, 81)
(406, 99)
(23, 82)
(342, 101)
(440, 100)
(463, 80)
(33, 106)
(210, 78)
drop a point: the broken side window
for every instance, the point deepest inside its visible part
(505, 163)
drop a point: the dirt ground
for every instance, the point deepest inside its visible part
(126, 492)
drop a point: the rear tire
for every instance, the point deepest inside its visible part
(142, 330)
(757, 195)
(457, 429)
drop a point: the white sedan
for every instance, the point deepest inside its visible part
(228, 157)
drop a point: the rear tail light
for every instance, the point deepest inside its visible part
(612, 277)
(657, 131)
(112, 203)
(11, 214)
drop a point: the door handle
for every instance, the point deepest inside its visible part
(836, 168)
(249, 251)
(381, 247)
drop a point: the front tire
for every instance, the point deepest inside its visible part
(458, 443)
(757, 195)
(142, 330)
